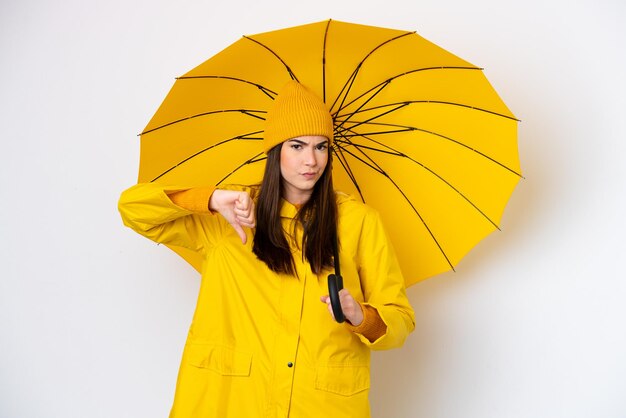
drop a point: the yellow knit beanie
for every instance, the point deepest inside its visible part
(296, 111)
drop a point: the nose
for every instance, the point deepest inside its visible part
(310, 159)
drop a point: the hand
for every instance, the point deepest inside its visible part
(350, 307)
(236, 207)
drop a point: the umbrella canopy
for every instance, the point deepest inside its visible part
(420, 134)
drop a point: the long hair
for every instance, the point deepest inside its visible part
(318, 217)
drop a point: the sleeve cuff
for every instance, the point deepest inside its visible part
(373, 327)
(194, 200)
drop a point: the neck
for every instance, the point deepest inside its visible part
(296, 198)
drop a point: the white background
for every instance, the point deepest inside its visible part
(93, 317)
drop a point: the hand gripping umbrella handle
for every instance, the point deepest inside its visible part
(335, 284)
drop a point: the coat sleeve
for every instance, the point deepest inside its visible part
(147, 209)
(383, 284)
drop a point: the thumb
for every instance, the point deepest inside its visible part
(242, 234)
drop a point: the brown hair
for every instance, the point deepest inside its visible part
(318, 217)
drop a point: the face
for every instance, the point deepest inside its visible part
(302, 163)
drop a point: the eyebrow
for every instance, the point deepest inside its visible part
(304, 143)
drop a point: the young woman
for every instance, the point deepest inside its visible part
(263, 341)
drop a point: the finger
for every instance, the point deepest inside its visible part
(330, 309)
(247, 222)
(243, 201)
(344, 295)
(245, 219)
(326, 300)
(347, 301)
(244, 210)
(252, 214)
(350, 307)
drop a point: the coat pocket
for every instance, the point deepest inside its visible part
(345, 380)
(220, 359)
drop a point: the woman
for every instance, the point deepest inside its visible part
(262, 343)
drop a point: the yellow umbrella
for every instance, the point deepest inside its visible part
(420, 134)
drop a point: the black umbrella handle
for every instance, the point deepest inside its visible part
(335, 284)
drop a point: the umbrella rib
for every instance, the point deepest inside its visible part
(346, 167)
(389, 151)
(400, 105)
(264, 89)
(359, 108)
(400, 154)
(248, 112)
(246, 137)
(379, 169)
(343, 121)
(291, 74)
(395, 131)
(252, 160)
(410, 102)
(348, 85)
(324, 62)
(371, 164)
(385, 83)
(413, 128)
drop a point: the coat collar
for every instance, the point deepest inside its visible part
(287, 210)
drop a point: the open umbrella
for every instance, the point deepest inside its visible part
(420, 134)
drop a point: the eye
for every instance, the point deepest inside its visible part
(322, 146)
(295, 145)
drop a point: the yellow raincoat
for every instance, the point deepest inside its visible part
(262, 344)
